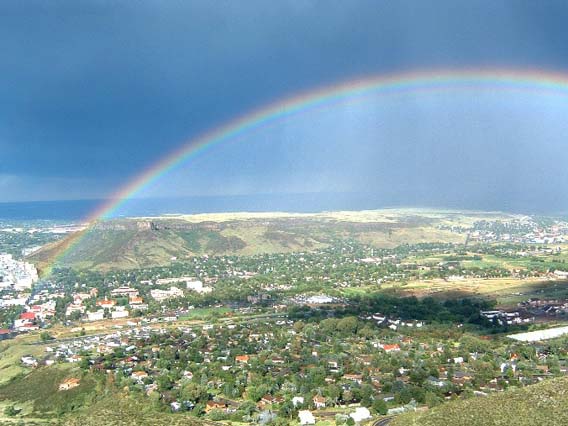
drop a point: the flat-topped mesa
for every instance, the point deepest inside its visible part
(150, 225)
(125, 225)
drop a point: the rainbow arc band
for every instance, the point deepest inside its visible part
(421, 81)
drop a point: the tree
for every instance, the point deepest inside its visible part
(11, 411)
(45, 336)
(347, 325)
(380, 406)
(194, 393)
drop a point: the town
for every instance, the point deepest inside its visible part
(345, 333)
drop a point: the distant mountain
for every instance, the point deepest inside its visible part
(143, 242)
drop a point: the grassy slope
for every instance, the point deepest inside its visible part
(124, 411)
(248, 234)
(40, 388)
(91, 403)
(541, 404)
(10, 355)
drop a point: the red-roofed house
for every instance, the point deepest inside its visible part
(391, 348)
(319, 401)
(27, 316)
(106, 303)
(242, 359)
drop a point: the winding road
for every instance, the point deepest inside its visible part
(383, 422)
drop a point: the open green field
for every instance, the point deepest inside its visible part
(506, 291)
(205, 313)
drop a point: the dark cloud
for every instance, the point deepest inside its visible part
(95, 92)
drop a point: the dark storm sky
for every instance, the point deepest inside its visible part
(94, 92)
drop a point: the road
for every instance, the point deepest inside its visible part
(383, 422)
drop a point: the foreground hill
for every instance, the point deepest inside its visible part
(39, 401)
(541, 404)
(143, 242)
(127, 411)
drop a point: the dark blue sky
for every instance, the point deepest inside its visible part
(92, 93)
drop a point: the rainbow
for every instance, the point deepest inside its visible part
(531, 80)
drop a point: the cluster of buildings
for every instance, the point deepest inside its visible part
(16, 275)
(506, 318)
(523, 230)
(269, 348)
(545, 307)
(315, 300)
(162, 295)
(173, 292)
(393, 323)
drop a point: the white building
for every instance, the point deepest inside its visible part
(360, 414)
(297, 401)
(306, 417)
(124, 291)
(120, 312)
(20, 275)
(96, 316)
(161, 295)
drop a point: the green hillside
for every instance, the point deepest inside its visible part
(37, 393)
(126, 411)
(38, 400)
(541, 404)
(135, 243)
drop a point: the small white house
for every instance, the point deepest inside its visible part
(95, 316)
(306, 417)
(297, 401)
(360, 414)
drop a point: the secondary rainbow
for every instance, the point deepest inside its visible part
(531, 80)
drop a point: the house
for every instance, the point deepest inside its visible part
(29, 361)
(460, 378)
(297, 401)
(119, 313)
(69, 384)
(124, 291)
(28, 316)
(243, 359)
(161, 295)
(106, 303)
(96, 316)
(360, 414)
(278, 360)
(306, 417)
(5, 334)
(136, 300)
(391, 348)
(72, 308)
(357, 378)
(436, 382)
(215, 405)
(139, 375)
(542, 368)
(267, 399)
(319, 401)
